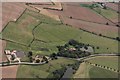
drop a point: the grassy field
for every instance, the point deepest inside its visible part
(66, 33)
(96, 72)
(21, 31)
(50, 33)
(12, 46)
(88, 71)
(42, 18)
(110, 61)
(83, 71)
(44, 70)
(36, 45)
(108, 13)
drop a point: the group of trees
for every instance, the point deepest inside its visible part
(53, 56)
(57, 74)
(77, 53)
(44, 59)
(29, 55)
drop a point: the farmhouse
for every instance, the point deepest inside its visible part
(72, 49)
(12, 55)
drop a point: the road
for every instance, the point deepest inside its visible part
(79, 59)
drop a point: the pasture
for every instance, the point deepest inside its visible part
(109, 61)
(44, 70)
(39, 31)
(20, 31)
(96, 72)
(108, 13)
(89, 71)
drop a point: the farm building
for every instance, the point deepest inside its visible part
(13, 55)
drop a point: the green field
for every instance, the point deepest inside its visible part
(108, 13)
(19, 47)
(96, 72)
(42, 71)
(49, 34)
(88, 71)
(109, 61)
(34, 31)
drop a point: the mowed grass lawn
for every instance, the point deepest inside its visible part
(42, 71)
(109, 61)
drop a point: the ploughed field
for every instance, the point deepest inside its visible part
(11, 11)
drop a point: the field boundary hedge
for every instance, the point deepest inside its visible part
(104, 67)
(13, 21)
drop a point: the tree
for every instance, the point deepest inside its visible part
(66, 45)
(100, 34)
(37, 61)
(73, 42)
(45, 59)
(60, 48)
(53, 56)
(97, 47)
(70, 17)
(86, 47)
(30, 54)
(117, 38)
(107, 23)
(30, 59)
